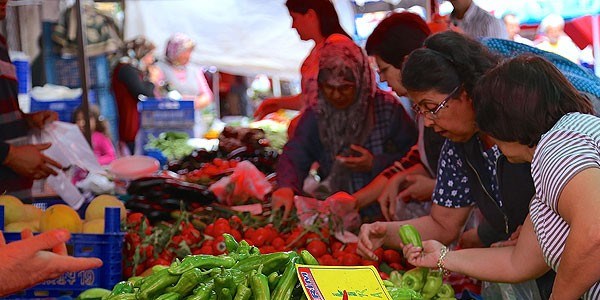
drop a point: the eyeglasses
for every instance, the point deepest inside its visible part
(432, 113)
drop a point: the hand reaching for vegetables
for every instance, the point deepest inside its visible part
(35, 259)
(283, 197)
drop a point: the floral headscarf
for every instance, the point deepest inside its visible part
(176, 45)
(342, 61)
(134, 50)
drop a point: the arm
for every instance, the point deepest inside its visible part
(135, 85)
(442, 224)
(270, 105)
(106, 151)
(578, 205)
(513, 264)
(206, 95)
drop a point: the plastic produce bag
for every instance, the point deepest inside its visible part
(69, 148)
(507, 291)
(246, 182)
(341, 205)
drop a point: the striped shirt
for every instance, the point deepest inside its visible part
(478, 23)
(571, 146)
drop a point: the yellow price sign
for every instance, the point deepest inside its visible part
(347, 283)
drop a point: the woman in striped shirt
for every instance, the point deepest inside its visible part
(535, 115)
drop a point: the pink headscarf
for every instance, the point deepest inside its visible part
(176, 45)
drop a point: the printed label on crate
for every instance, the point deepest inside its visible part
(81, 278)
(330, 282)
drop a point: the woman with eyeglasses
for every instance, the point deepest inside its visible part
(472, 171)
(536, 116)
(354, 132)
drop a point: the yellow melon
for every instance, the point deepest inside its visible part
(13, 209)
(94, 226)
(96, 208)
(19, 226)
(31, 213)
(61, 216)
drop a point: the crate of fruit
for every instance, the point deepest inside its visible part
(107, 246)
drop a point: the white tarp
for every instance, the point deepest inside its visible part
(243, 37)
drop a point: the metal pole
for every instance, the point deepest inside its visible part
(83, 70)
(216, 78)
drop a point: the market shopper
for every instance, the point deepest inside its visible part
(35, 259)
(134, 76)
(314, 20)
(354, 132)
(101, 144)
(395, 37)
(179, 74)
(475, 22)
(535, 115)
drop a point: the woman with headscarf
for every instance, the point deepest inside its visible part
(182, 76)
(133, 76)
(354, 131)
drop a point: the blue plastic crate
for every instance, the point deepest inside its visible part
(23, 76)
(166, 113)
(107, 247)
(65, 71)
(64, 108)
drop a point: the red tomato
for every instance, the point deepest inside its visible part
(208, 250)
(326, 260)
(366, 262)
(384, 275)
(236, 234)
(278, 243)
(159, 261)
(249, 233)
(267, 249)
(351, 259)
(336, 246)
(219, 245)
(317, 248)
(260, 237)
(379, 253)
(311, 237)
(351, 248)
(391, 256)
(396, 266)
(325, 232)
(210, 230)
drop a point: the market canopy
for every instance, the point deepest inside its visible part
(245, 37)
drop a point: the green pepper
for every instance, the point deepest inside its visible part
(243, 292)
(288, 280)
(123, 287)
(432, 285)
(396, 278)
(388, 283)
(224, 294)
(169, 296)
(273, 279)
(188, 281)
(446, 291)
(399, 293)
(271, 262)
(308, 258)
(155, 284)
(260, 286)
(230, 243)
(93, 294)
(136, 281)
(224, 281)
(128, 296)
(202, 261)
(204, 290)
(410, 235)
(414, 279)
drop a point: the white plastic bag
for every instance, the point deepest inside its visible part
(341, 204)
(527, 290)
(69, 148)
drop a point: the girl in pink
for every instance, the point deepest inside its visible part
(101, 143)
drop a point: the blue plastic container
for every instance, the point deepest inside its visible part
(107, 246)
(23, 75)
(166, 113)
(64, 107)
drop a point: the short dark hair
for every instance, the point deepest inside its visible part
(523, 97)
(328, 18)
(397, 36)
(449, 59)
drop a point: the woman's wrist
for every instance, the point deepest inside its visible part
(441, 264)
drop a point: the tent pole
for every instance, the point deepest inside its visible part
(596, 43)
(83, 69)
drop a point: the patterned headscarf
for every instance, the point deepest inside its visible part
(176, 45)
(342, 61)
(134, 50)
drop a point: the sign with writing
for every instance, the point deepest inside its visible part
(333, 282)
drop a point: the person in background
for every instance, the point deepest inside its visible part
(133, 77)
(395, 37)
(554, 39)
(354, 132)
(535, 115)
(101, 143)
(475, 21)
(181, 75)
(314, 20)
(513, 27)
(27, 262)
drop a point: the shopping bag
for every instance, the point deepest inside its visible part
(246, 182)
(69, 148)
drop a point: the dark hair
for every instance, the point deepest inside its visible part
(448, 60)
(396, 36)
(94, 111)
(328, 18)
(523, 98)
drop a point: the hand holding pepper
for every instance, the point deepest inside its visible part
(426, 256)
(35, 259)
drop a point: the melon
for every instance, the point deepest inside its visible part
(19, 226)
(61, 216)
(96, 208)
(13, 209)
(94, 226)
(31, 213)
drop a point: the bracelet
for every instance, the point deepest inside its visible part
(440, 262)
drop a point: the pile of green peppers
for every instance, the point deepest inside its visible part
(418, 283)
(242, 274)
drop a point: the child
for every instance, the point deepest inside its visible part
(101, 143)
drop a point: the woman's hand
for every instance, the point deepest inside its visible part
(41, 118)
(362, 163)
(427, 256)
(418, 187)
(371, 237)
(283, 197)
(30, 162)
(35, 259)
(267, 106)
(387, 199)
